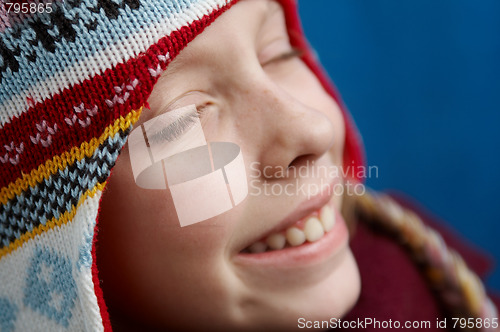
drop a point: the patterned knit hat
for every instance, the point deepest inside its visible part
(74, 76)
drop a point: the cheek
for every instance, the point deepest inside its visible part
(148, 217)
(144, 256)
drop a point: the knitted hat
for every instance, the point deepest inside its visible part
(74, 76)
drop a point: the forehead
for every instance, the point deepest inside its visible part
(232, 40)
(248, 21)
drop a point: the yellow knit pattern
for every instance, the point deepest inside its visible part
(54, 165)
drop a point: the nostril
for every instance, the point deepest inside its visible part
(305, 160)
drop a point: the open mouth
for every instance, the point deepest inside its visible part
(306, 230)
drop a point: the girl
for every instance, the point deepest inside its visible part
(278, 258)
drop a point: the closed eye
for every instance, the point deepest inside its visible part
(174, 130)
(177, 128)
(293, 53)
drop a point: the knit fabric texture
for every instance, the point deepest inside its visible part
(73, 81)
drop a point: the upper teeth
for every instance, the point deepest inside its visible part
(276, 241)
(295, 236)
(327, 218)
(314, 229)
(258, 247)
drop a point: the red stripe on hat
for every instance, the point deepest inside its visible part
(185, 35)
(103, 309)
(82, 112)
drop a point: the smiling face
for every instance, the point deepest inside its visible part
(251, 89)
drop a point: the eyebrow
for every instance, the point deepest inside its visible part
(172, 68)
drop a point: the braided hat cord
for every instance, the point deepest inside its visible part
(459, 289)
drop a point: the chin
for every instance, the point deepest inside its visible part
(331, 297)
(335, 296)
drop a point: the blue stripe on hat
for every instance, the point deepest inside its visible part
(94, 32)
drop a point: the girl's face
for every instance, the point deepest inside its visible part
(255, 91)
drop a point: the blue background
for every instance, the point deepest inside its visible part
(422, 81)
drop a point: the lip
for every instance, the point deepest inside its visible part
(308, 254)
(303, 210)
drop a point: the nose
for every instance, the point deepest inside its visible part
(283, 130)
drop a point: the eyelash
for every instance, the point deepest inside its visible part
(294, 52)
(177, 128)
